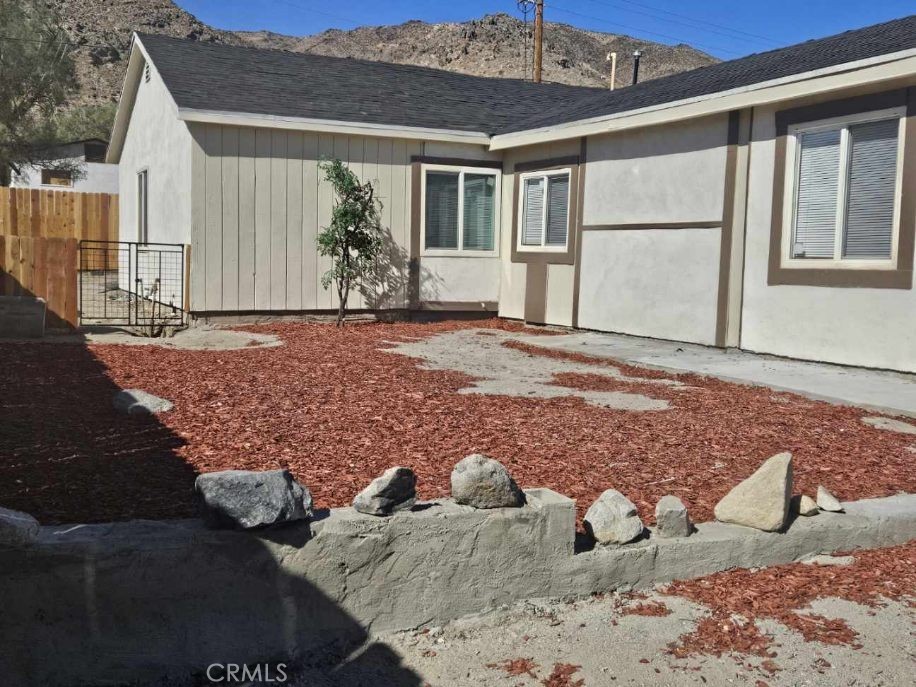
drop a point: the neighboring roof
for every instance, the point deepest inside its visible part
(215, 77)
(880, 39)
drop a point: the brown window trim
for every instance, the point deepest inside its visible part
(900, 277)
(567, 257)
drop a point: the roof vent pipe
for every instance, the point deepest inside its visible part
(612, 58)
(636, 55)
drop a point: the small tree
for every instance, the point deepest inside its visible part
(36, 77)
(353, 239)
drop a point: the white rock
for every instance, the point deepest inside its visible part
(806, 506)
(825, 559)
(482, 482)
(827, 501)
(612, 519)
(671, 517)
(139, 402)
(762, 500)
(17, 528)
(394, 490)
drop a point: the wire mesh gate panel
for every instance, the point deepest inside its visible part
(131, 284)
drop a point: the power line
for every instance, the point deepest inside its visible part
(640, 30)
(746, 34)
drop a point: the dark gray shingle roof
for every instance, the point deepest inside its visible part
(872, 41)
(240, 79)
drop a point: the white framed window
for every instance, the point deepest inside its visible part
(543, 211)
(142, 206)
(460, 211)
(843, 191)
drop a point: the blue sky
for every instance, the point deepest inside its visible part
(725, 28)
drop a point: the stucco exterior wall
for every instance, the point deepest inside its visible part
(159, 142)
(854, 326)
(657, 175)
(660, 283)
(513, 275)
(652, 216)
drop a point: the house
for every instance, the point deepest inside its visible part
(766, 203)
(95, 176)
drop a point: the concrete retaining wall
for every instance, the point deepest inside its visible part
(106, 604)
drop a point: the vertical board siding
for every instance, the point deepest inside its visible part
(324, 298)
(213, 255)
(198, 267)
(247, 153)
(294, 202)
(260, 201)
(58, 214)
(45, 267)
(278, 190)
(230, 194)
(310, 285)
(262, 220)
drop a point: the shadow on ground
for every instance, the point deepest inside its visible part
(65, 450)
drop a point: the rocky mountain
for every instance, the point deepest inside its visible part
(494, 45)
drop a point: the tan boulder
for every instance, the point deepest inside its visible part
(762, 500)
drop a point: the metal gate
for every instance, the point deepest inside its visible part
(125, 283)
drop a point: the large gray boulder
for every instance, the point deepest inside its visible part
(239, 499)
(17, 528)
(139, 402)
(612, 519)
(394, 490)
(482, 482)
(762, 500)
(671, 517)
(827, 501)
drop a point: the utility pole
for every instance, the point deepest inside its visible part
(538, 39)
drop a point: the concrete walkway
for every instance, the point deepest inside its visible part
(886, 392)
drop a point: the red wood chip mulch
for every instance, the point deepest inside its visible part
(336, 410)
(738, 597)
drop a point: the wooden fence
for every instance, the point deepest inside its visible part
(58, 214)
(44, 267)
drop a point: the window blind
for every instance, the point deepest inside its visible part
(816, 203)
(442, 210)
(557, 210)
(533, 214)
(479, 196)
(870, 189)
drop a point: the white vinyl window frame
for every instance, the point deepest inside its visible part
(793, 158)
(460, 251)
(542, 247)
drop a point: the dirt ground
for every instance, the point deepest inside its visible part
(337, 407)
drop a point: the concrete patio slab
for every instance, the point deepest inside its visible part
(888, 392)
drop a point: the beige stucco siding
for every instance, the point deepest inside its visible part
(661, 174)
(856, 326)
(559, 293)
(260, 201)
(652, 216)
(159, 142)
(658, 282)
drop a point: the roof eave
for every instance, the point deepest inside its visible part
(331, 126)
(836, 77)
